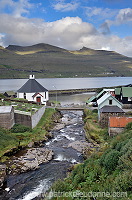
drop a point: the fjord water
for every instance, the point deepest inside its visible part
(66, 83)
(34, 184)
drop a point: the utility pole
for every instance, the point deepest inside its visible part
(56, 96)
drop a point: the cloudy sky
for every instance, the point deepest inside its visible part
(70, 24)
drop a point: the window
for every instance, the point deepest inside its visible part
(24, 95)
(110, 102)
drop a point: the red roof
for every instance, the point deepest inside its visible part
(119, 121)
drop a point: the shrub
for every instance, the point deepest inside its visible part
(123, 182)
(129, 126)
(95, 111)
(77, 179)
(19, 128)
(111, 160)
(119, 145)
(60, 186)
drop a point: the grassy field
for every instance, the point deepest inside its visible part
(49, 61)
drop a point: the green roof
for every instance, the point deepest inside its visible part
(117, 91)
(91, 99)
(127, 91)
(99, 93)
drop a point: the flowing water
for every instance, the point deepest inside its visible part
(34, 184)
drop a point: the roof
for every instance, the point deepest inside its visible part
(111, 109)
(117, 91)
(5, 109)
(119, 122)
(32, 86)
(127, 91)
(105, 97)
(91, 99)
(104, 90)
(37, 94)
(129, 85)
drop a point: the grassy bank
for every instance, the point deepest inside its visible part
(106, 174)
(94, 133)
(10, 139)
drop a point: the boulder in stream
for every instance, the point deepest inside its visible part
(2, 174)
(80, 145)
(29, 160)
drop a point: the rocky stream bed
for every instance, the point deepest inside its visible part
(61, 152)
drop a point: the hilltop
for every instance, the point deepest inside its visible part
(46, 60)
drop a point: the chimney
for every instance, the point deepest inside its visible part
(31, 77)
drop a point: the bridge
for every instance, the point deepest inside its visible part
(70, 108)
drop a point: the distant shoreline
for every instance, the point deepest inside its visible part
(71, 91)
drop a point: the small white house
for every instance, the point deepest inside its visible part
(107, 100)
(33, 91)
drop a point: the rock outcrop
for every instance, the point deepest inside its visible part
(29, 160)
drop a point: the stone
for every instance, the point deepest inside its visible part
(59, 126)
(2, 174)
(30, 160)
(79, 145)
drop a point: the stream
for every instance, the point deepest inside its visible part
(34, 184)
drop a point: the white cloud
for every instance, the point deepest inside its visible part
(102, 13)
(70, 33)
(64, 7)
(124, 16)
(16, 8)
(1, 40)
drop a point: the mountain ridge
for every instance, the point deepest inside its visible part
(49, 61)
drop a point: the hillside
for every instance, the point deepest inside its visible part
(45, 60)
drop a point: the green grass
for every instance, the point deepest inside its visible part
(9, 140)
(93, 132)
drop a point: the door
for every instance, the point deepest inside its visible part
(38, 99)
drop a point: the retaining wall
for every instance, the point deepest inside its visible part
(115, 131)
(27, 119)
(37, 116)
(7, 120)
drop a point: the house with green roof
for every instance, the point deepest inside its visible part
(118, 93)
(126, 95)
(93, 99)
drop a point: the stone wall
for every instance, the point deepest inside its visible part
(37, 116)
(28, 119)
(7, 119)
(115, 131)
(24, 119)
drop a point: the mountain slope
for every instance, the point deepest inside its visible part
(45, 60)
(37, 48)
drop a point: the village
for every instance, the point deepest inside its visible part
(113, 105)
(112, 108)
